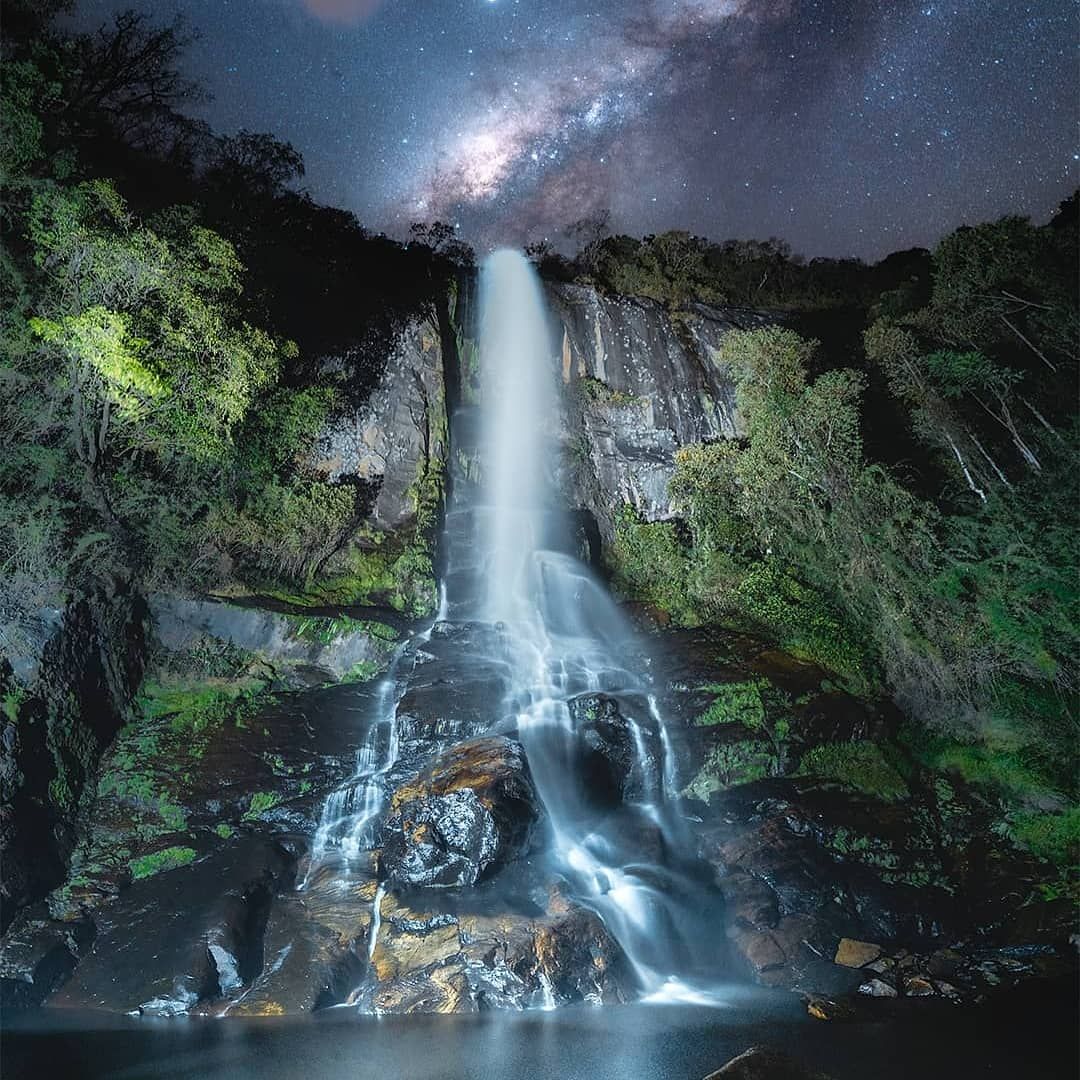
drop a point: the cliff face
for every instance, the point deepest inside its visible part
(67, 691)
(640, 382)
(399, 433)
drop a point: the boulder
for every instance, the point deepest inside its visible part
(607, 743)
(37, 955)
(181, 936)
(856, 954)
(472, 810)
(435, 962)
(762, 1063)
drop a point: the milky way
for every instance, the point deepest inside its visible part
(843, 126)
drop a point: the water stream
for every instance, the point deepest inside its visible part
(554, 634)
(563, 636)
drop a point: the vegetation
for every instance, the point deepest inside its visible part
(261, 802)
(947, 578)
(159, 861)
(678, 269)
(162, 329)
(861, 765)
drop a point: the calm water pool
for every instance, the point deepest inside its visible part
(1030, 1036)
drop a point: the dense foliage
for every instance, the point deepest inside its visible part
(677, 268)
(163, 331)
(951, 581)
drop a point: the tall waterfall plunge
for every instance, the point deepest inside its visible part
(546, 632)
(563, 636)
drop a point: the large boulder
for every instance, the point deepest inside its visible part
(468, 813)
(182, 936)
(424, 962)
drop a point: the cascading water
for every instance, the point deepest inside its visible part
(563, 636)
(552, 635)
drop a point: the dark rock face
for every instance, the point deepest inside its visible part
(37, 955)
(454, 688)
(183, 936)
(761, 1063)
(398, 432)
(608, 743)
(471, 811)
(657, 389)
(75, 684)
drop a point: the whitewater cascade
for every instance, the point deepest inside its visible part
(563, 636)
(557, 635)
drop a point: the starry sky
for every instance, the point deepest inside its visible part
(846, 127)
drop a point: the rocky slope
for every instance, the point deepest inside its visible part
(838, 864)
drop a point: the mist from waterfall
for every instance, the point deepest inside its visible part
(563, 636)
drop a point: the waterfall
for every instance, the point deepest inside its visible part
(563, 635)
(551, 632)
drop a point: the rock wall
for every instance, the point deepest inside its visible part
(640, 383)
(398, 434)
(67, 690)
(299, 650)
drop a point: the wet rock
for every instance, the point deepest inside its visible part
(468, 813)
(917, 986)
(168, 942)
(163, 785)
(608, 750)
(306, 966)
(856, 954)
(877, 988)
(37, 955)
(749, 900)
(762, 1063)
(492, 961)
(835, 1009)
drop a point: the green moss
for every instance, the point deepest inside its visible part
(12, 702)
(650, 563)
(261, 801)
(362, 671)
(597, 393)
(197, 708)
(172, 815)
(327, 629)
(167, 859)
(997, 763)
(860, 765)
(735, 703)
(729, 765)
(1053, 837)
(60, 794)
(224, 831)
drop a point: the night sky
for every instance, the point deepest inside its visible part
(847, 127)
